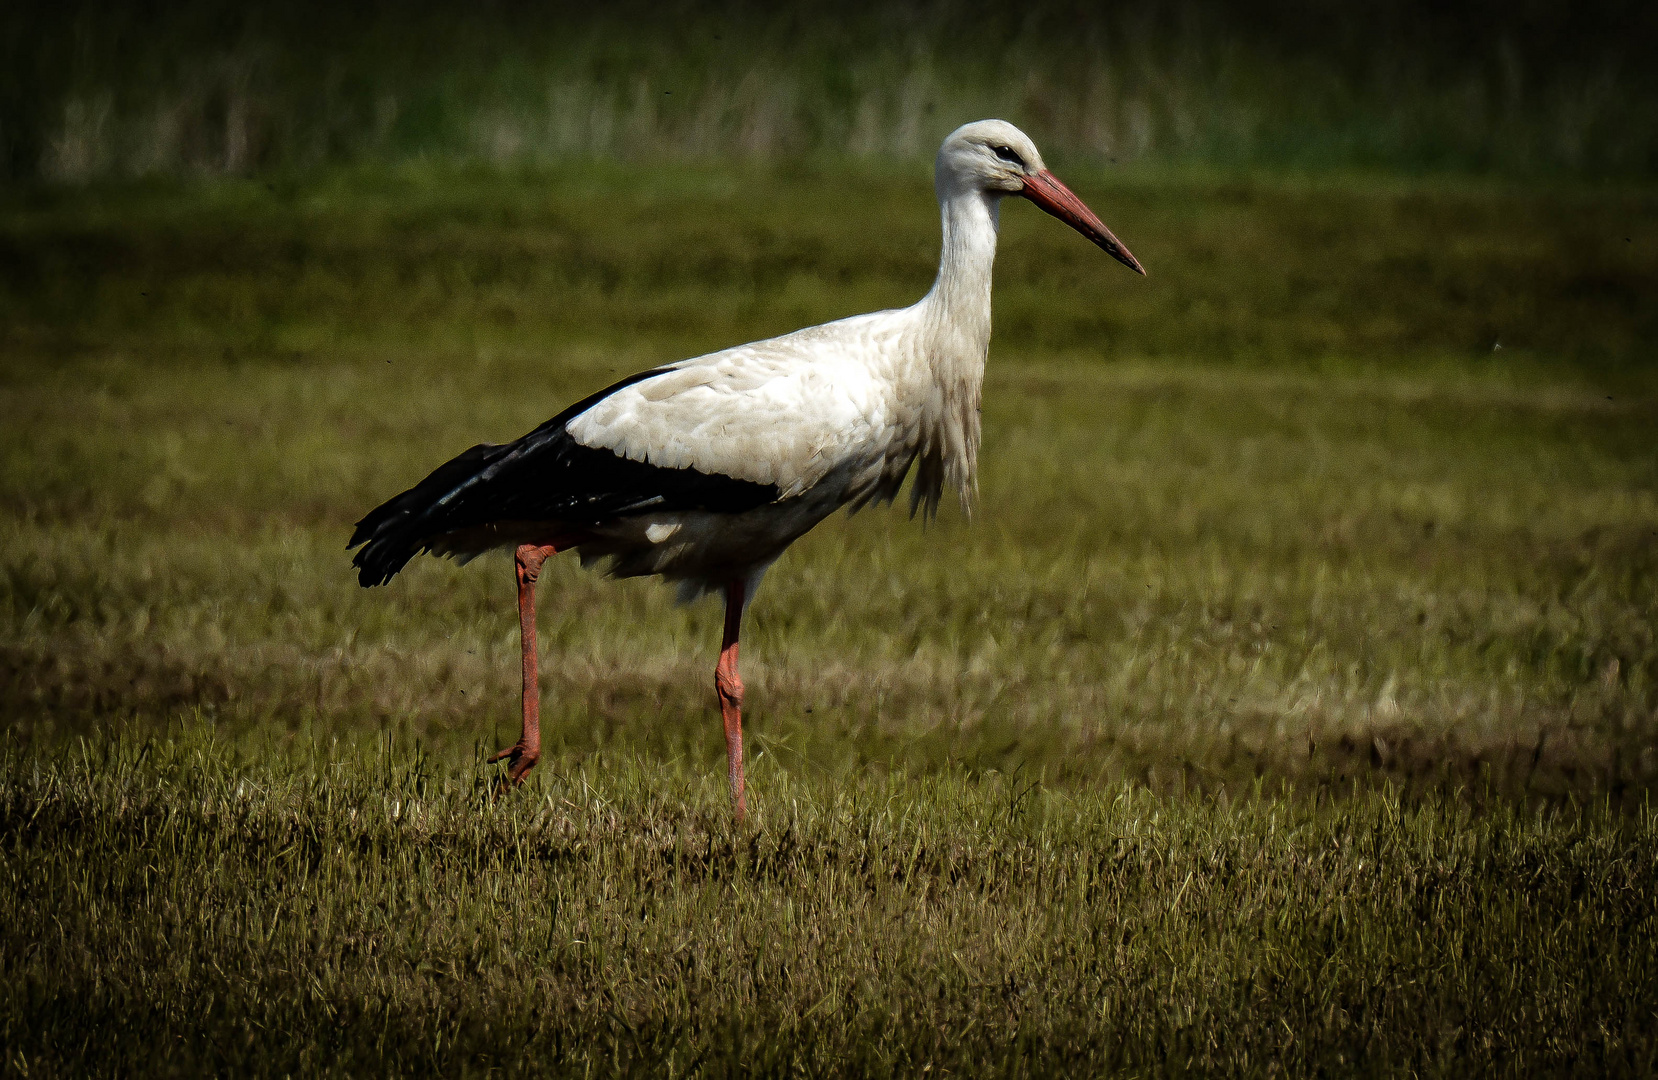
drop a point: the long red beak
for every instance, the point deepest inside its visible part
(1045, 190)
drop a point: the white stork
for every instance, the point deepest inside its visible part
(704, 471)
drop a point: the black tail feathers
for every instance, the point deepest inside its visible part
(405, 525)
(387, 542)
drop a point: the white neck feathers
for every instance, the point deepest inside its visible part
(954, 321)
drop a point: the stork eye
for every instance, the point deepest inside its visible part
(1006, 154)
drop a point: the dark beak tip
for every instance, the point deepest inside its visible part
(1126, 259)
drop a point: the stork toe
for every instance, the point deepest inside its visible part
(521, 760)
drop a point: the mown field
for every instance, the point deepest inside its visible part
(1289, 704)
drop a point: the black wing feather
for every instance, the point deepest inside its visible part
(545, 476)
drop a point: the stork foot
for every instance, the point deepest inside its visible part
(521, 759)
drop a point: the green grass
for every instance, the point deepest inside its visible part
(173, 907)
(1288, 704)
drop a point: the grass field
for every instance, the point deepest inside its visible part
(1288, 704)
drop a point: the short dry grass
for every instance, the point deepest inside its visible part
(1289, 704)
(182, 907)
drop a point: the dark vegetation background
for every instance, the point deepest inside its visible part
(200, 87)
(1289, 707)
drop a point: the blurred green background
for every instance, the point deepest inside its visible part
(1531, 88)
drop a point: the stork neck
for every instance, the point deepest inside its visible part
(958, 307)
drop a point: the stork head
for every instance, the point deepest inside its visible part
(997, 158)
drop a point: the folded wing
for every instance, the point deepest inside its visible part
(727, 433)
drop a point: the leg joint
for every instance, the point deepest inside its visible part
(728, 686)
(529, 558)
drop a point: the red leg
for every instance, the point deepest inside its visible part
(527, 750)
(729, 687)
